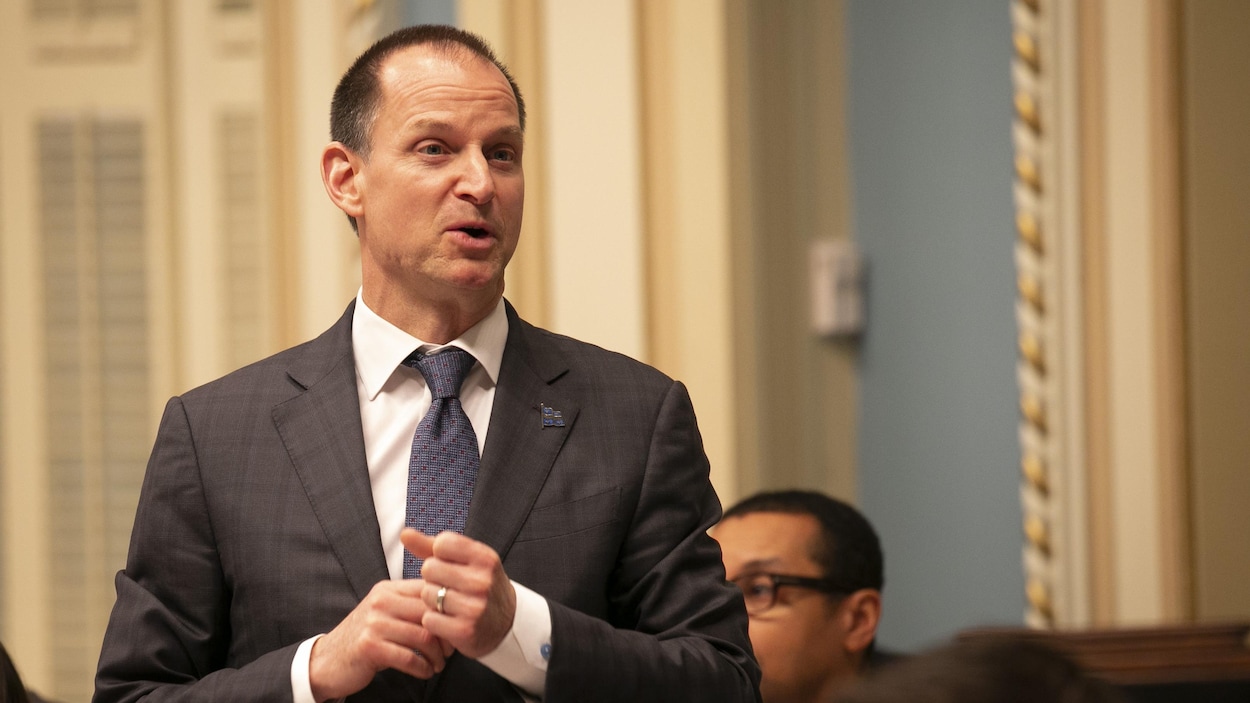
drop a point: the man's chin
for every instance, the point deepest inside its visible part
(476, 283)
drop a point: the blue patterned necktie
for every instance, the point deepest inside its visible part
(445, 458)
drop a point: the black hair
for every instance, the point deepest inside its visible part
(848, 552)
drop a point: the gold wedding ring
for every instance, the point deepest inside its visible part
(438, 599)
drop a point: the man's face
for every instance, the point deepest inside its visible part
(799, 641)
(441, 189)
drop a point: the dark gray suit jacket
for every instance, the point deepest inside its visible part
(256, 530)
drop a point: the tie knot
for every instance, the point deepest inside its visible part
(443, 371)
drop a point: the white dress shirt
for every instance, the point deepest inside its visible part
(393, 399)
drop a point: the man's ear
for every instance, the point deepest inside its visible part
(861, 612)
(340, 173)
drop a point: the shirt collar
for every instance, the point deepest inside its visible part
(381, 347)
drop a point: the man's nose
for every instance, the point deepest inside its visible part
(476, 182)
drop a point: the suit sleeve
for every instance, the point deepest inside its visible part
(168, 636)
(679, 632)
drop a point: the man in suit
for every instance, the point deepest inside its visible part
(269, 543)
(810, 569)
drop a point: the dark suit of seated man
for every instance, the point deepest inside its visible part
(275, 522)
(810, 568)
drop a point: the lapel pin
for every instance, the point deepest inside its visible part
(551, 416)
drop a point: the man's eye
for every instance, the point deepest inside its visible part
(432, 149)
(755, 587)
(502, 155)
(756, 590)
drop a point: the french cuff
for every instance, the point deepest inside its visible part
(301, 685)
(522, 656)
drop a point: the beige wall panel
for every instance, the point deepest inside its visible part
(1133, 452)
(196, 219)
(594, 198)
(686, 145)
(22, 506)
(792, 191)
(208, 80)
(1168, 302)
(1217, 224)
(1094, 294)
(1136, 395)
(327, 257)
(1144, 384)
(77, 84)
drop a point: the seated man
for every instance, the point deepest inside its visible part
(810, 569)
(987, 671)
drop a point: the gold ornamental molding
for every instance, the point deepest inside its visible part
(1029, 129)
(1049, 365)
(1050, 336)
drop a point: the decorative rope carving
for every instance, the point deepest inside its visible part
(1029, 66)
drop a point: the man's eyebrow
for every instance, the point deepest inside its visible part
(509, 132)
(755, 566)
(429, 123)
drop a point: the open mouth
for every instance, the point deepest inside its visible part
(475, 232)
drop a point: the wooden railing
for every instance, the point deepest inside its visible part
(1144, 658)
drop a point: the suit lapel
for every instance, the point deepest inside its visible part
(519, 450)
(322, 433)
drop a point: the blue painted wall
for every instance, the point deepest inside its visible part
(428, 12)
(930, 116)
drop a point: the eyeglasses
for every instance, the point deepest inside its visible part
(759, 590)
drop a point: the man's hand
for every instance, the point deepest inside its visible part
(383, 632)
(480, 602)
